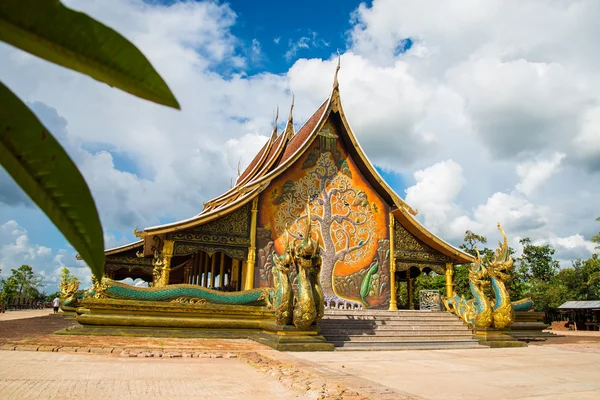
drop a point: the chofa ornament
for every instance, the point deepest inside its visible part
(482, 312)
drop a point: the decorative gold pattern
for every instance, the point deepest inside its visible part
(404, 266)
(238, 253)
(409, 248)
(231, 229)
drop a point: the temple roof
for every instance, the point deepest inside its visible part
(281, 151)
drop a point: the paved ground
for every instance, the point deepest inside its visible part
(12, 315)
(50, 366)
(536, 372)
(29, 375)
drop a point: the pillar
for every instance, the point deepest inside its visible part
(249, 275)
(234, 274)
(409, 289)
(213, 258)
(222, 271)
(393, 301)
(167, 253)
(449, 283)
(205, 271)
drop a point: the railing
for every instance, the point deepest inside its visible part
(430, 300)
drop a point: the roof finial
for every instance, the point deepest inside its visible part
(335, 78)
(239, 162)
(275, 122)
(291, 118)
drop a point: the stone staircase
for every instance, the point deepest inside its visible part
(395, 330)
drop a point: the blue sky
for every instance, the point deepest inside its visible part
(479, 120)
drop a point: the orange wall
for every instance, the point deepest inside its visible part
(349, 218)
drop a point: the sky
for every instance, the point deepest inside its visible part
(474, 112)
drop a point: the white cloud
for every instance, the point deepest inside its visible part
(535, 173)
(311, 41)
(16, 249)
(495, 106)
(435, 191)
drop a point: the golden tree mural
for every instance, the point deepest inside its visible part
(341, 214)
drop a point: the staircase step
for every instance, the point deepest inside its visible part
(406, 338)
(393, 325)
(408, 346)
(393, 330)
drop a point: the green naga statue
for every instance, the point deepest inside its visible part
(479, 311)
(307, 310)
(310, 306)
(283, 295)
(499, 270)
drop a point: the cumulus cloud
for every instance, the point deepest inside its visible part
(435, 191)
(490, 116)
(17, 249)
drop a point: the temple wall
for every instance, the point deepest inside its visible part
(349, 219)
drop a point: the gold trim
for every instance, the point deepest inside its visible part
(393, 302)
(449, 282)
(125, 247)
(249, 281)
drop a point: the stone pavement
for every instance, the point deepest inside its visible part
(39, 375)
(12, 315)
(535, 372)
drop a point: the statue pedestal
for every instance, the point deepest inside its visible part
(496, 338)
(529, 326)
(165, 319)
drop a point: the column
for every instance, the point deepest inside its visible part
(234, 274)
(205, 270)
(222, 271)
(186, 272)
(409, 287)
(449, 283)
(249, 276)
(167, 253)
(213, 258)
(393, 301)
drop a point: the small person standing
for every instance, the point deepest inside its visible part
(56, 304)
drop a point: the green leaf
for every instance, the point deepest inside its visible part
(42, 168)
(72, 39)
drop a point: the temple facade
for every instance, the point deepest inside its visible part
(370, 239)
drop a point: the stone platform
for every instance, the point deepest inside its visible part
(163, 319)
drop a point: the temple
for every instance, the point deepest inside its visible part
(370, 239)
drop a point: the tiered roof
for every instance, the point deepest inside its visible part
(280, 152)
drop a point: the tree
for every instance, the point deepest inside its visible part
(596, 237)
(67, 277)
(537, 262)
(343, 216)
(28, 151)
(27, 282)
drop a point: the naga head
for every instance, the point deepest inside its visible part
(308, 248)
(501, 265)
(284, 261)
(478, 274)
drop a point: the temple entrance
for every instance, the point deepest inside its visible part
(216, 271)
(406, 297)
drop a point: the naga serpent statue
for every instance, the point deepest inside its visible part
(310, 306)
(304, 257)
(479, 312)
(499, 270)
(476, 312)
(283, 295)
